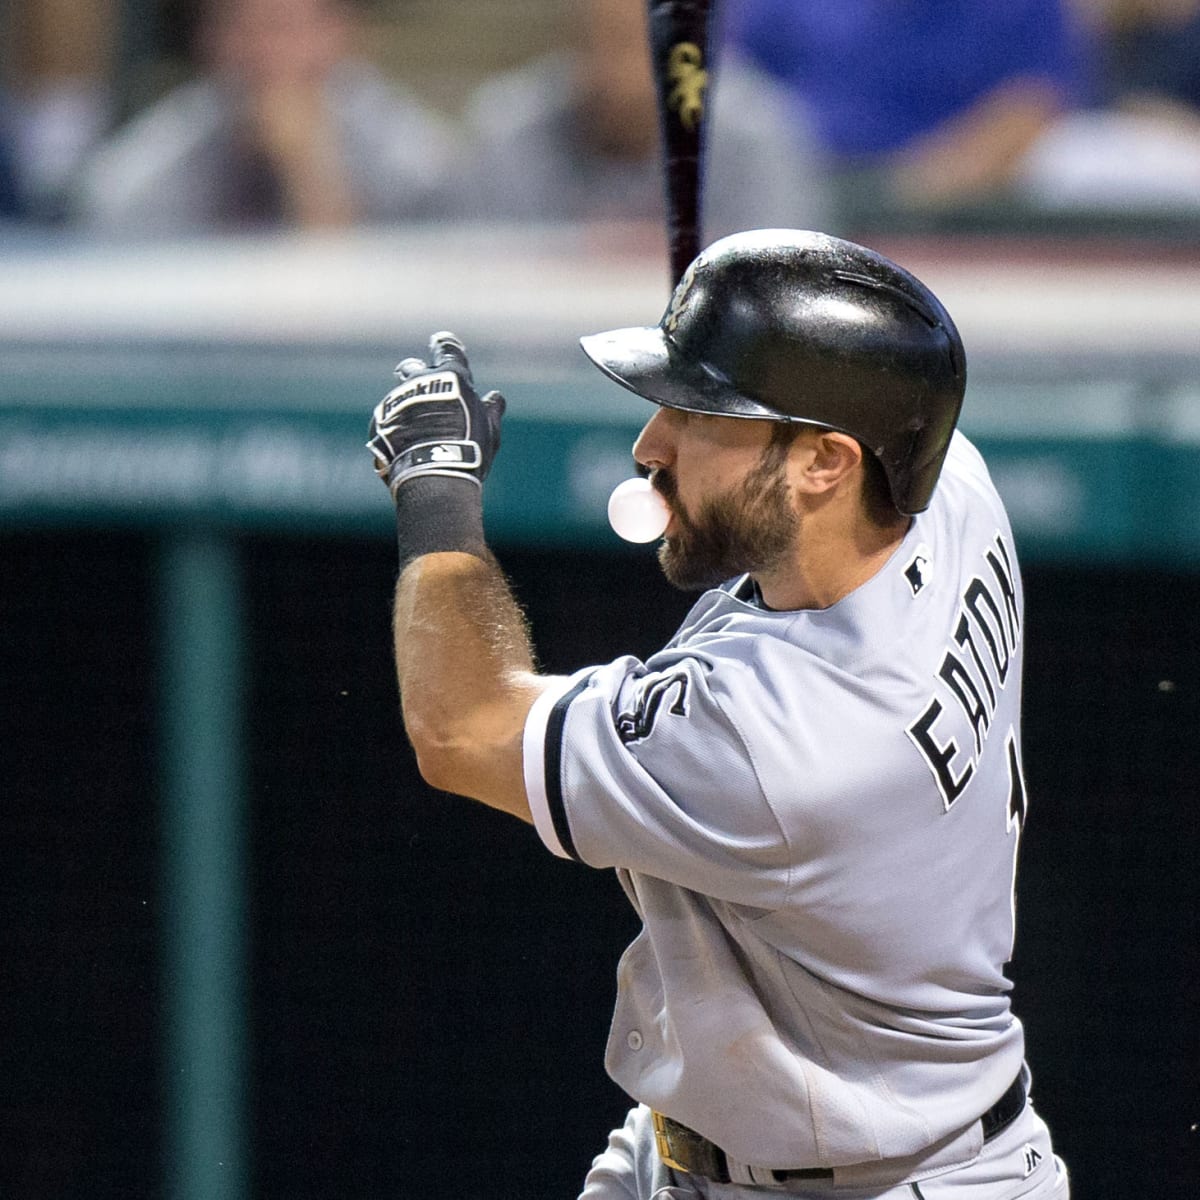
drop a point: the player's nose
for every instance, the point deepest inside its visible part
(655, 445)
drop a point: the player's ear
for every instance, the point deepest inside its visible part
(830, 459)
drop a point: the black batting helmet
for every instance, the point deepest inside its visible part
(784, 325)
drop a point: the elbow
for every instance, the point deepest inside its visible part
(471, 749)
(437, 769)
(442, 759)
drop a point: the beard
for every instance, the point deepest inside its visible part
(750, 528)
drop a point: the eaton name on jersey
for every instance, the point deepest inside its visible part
(972, 674)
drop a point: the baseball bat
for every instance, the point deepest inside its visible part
(680, 33)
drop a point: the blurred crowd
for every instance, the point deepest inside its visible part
(832, 115)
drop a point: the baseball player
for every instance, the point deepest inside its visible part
(813, 794)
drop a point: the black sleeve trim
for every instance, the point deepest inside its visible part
(555, 727)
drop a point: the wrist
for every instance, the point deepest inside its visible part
(437, 513)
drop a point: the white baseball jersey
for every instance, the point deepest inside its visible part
(816, 814)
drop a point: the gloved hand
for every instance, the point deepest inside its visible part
(434, 422)
(431, 435)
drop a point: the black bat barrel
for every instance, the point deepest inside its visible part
(680, 36)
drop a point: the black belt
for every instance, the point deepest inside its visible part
(685, 1150)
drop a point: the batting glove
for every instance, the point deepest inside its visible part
(434, 423)
(430, 435)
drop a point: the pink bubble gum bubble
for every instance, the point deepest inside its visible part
(637, 512)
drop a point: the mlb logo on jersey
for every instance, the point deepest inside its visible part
(919, 570)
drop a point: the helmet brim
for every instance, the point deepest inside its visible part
(646, 361)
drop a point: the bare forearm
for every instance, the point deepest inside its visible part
(979, 149)
(467, 676)
(296, 131)
(315, 191)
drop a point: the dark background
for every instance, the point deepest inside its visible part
(430, 989)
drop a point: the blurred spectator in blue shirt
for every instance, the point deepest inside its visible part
(574, 136)
(288, 128)
(925, 102)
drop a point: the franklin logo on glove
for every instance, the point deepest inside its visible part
(441, 386)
